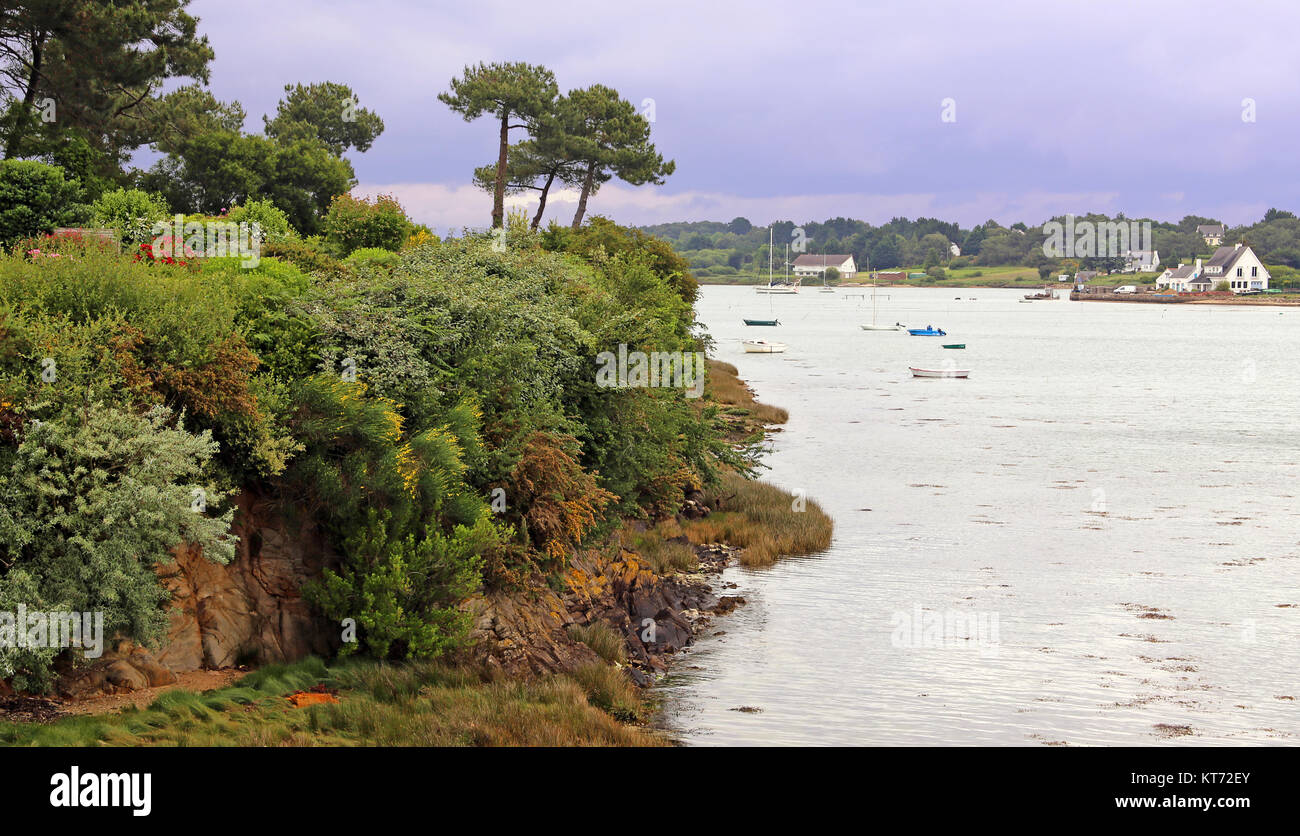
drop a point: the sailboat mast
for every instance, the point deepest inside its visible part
(769, 256)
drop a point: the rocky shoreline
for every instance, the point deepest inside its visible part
(230, 619)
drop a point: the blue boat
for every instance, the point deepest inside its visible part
(762, 322)
(927, 332)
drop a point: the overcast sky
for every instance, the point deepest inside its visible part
(809, 110)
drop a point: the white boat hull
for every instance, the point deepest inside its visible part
(939, 372)
(883, 328)
(766, 289)
(763, 347)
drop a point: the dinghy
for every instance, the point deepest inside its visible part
(954, 345)
(763, 347)
(762, 322)
(939, 372)
(927, 332)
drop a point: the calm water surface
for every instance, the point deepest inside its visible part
(1111, 497)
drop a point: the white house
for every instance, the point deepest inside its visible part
(1141, 261)
(1179, 278)
(807, 266)
(1212, 233)
(954, 249)
(1237, 265)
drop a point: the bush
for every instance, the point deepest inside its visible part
(34, 199)
(131, 213)
(353, 223)
(307, 254)
(372, 256)
(272, 221)
(85, 513)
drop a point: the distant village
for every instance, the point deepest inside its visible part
(1234, 267)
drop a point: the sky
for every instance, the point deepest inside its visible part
(804, 111)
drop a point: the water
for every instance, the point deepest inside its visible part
(1116, 485)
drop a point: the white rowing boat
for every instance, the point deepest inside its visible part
(939, 372)
(763, 347)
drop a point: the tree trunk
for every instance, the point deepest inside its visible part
(586, 190)
(541, 203)
(13, 142)
(499, 197)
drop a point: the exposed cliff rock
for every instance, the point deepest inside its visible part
(524, 632)
(251, 612)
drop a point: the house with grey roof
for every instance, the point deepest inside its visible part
(1212, 233)
(1237, 265)
(1141, 261)
(807, 266)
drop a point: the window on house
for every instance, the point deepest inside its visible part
(1239, 272)
(1254, 271)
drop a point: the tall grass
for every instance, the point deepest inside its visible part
(763, 520)
(729, 390)
(601, 638)
(380, 704)
(660, 548)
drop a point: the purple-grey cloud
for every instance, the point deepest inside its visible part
(825, 108)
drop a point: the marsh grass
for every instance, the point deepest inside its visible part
(730, 391)
(601, 638)
(418, 704)
(661, 547)
(762, 520)
(609, 689)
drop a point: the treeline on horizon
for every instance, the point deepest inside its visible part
(717, 249)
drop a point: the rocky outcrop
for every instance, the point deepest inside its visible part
(127, 667)
(526, 632)
(250, 612)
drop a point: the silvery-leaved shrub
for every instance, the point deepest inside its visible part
(88, 505)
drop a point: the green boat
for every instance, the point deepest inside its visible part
(762, 322)
(955, 345)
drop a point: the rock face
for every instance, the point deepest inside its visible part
(526, 633)
(250, 612)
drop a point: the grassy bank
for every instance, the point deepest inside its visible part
(766, 522)
(378, 704)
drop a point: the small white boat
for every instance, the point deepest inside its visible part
(777, 288)
(939, 372)
(763, 347)
(884, 328)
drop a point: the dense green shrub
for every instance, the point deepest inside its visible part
(353, 223)
(131, 213)
(387, 398)
(87, 509)
(307, 254)
(273, 222)
(34, 199)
